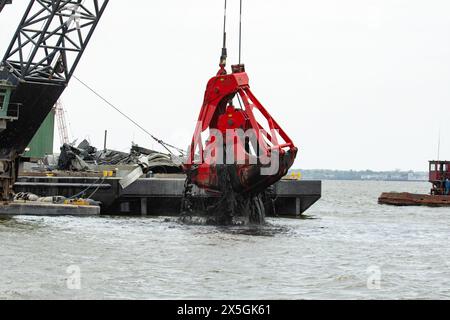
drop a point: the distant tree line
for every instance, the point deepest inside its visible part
(397, 175)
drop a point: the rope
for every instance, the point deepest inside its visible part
(162, 143)
(96, 189)
(80, 194)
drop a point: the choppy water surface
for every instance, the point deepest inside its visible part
(346, 241)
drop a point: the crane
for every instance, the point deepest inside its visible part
(35, 70)
(61, 122)
(246, 150)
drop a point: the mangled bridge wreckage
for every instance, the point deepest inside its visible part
(245, 151)
(85, 158)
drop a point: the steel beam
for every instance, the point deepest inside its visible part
(3, 3)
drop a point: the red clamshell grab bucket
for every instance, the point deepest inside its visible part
(245, 142)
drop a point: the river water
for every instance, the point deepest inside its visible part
(347, 247)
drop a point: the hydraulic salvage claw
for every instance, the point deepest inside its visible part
(245, 146)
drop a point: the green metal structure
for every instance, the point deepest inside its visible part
(42, 142)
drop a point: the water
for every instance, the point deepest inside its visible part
(348, 247)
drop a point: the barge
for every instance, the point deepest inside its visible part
(161, 194)
(25, 208)
(409, 199)
(439, 175)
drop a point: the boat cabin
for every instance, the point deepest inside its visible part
(439, 171)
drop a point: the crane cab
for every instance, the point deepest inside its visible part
(438, 172)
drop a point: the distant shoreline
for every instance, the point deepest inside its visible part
(307, 179)
(367, 175)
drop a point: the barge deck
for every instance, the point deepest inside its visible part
(159, 195)
(410, 199)
(22, 208)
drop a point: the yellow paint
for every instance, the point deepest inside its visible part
(295, 176)
(77, 202)
(109, 173)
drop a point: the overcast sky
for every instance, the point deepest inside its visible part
(357, 84)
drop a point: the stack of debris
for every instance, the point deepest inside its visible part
(85, 157)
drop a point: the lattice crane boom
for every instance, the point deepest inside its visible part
(3, 3)
(36, 68)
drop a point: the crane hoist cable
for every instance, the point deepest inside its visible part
(222, 64)
(240, 31)
(224, 56)
(159, 141)
(227, 167)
